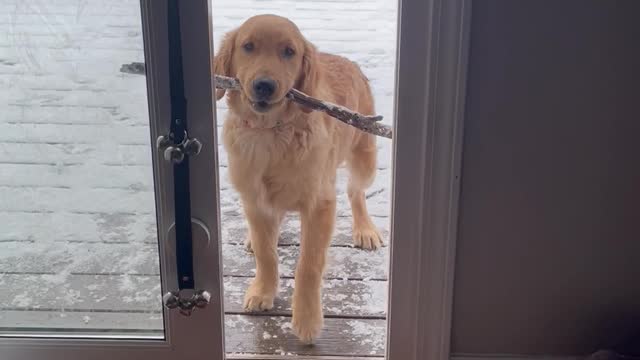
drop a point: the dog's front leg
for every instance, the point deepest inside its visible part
(317, 228)
(263, 231)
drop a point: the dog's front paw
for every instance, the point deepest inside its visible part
(366, 237)
(307, 325)
(256, 299)
(307, 318)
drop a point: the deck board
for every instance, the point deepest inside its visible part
(142, 259)
(343, 262)
(79, 258)
(234, 232)
(272, 335)
(113, 293)
(73, 154)
(366, 299)
(79, 227)
(135, 228)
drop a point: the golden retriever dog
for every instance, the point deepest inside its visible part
(284, 158)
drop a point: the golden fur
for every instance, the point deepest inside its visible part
(285, 158)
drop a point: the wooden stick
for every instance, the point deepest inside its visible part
(366, 123)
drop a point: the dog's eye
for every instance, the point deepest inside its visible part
(248, 47)
(288, 52)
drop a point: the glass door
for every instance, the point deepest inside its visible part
(89, 195)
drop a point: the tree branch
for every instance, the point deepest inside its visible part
(366, 123)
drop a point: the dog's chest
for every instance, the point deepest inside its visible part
(279, 167)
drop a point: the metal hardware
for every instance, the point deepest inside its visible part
(176, 152)
(177, 147)
(187, 300)
(201, 240)
(187, 304)
(192, 146)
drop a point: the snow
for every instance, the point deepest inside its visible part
(23, 300)
(76, 184)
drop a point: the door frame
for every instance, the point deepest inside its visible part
(433, 43)
(431, 74)
(184, 336)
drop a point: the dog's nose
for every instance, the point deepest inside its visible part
(263, 88)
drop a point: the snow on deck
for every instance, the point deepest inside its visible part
(78, 245)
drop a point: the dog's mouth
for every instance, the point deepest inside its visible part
(263, 106)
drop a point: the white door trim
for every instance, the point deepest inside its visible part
(201, 335)
(433, 46)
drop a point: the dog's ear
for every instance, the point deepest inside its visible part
(222, 60)
(308, 80)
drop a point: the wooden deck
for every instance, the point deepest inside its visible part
(90, 296)
(354, 299)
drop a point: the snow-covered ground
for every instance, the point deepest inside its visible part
(77, 210)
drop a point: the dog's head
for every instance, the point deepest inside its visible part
(269, 56)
